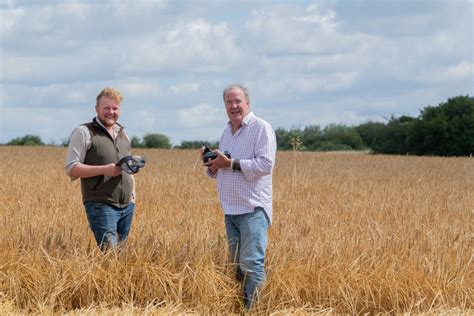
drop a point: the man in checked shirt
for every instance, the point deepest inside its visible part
(244, 183)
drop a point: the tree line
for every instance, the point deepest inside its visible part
(443, 130)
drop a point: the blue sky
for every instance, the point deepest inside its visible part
(304, 62)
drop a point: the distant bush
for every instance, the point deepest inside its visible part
(135, 142)
(27, 140)
(343, 136)
(443, 130)
(196, 144)
(313, 138)
(368, 131)
(393, 138)
(156, 141)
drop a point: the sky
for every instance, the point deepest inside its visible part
(304, 62)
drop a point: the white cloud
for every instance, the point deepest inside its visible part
(461, 71)
(46, 97)
(300, 31)
(75, 10)
(325, 20)
(146, 119)
(200, 115)
(453, 73)
(305, 63)
(35, 21)
(76, 97)
(185, 87)
(10, 18)
(125, 8)
(189, 47)
(50, 125)
(138, 89)
(332, 82)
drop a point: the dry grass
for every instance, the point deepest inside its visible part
(351, 234)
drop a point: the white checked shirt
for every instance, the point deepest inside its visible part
(254, 144)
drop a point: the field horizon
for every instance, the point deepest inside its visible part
(352, 233)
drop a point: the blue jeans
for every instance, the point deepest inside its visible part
(109, 224)
(247, 238)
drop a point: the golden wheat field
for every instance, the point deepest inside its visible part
(352, 233)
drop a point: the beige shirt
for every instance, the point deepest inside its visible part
(79, 143)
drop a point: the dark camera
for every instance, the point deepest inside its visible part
(210, 155)
(131, 164)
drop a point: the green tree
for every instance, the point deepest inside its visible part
(312, 137)
(394, 137)
(195, 144)
(135, 142)
(368, 131)
(284, 137)
(156, 141)
(27, 140)
(445, 130)
(343, 137)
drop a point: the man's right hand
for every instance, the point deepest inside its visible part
(111, 170)
(212, 169)
(81, 170)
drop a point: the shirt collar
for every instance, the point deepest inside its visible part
(117, 127)
(247, 119)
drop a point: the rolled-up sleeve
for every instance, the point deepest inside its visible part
(79, 143)
(264, 159)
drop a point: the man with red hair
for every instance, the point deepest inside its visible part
(108, 193)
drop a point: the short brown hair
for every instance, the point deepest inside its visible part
(109, 93)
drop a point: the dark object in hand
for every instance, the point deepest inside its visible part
(210, 155)
(131, 164)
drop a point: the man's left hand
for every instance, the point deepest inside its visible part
(220, 162)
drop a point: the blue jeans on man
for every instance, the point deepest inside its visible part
(247, 238)
(109, 224)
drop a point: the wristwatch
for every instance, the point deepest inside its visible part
(235, 165)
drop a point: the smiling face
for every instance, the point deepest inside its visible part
(108, 111)
(237, 106)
